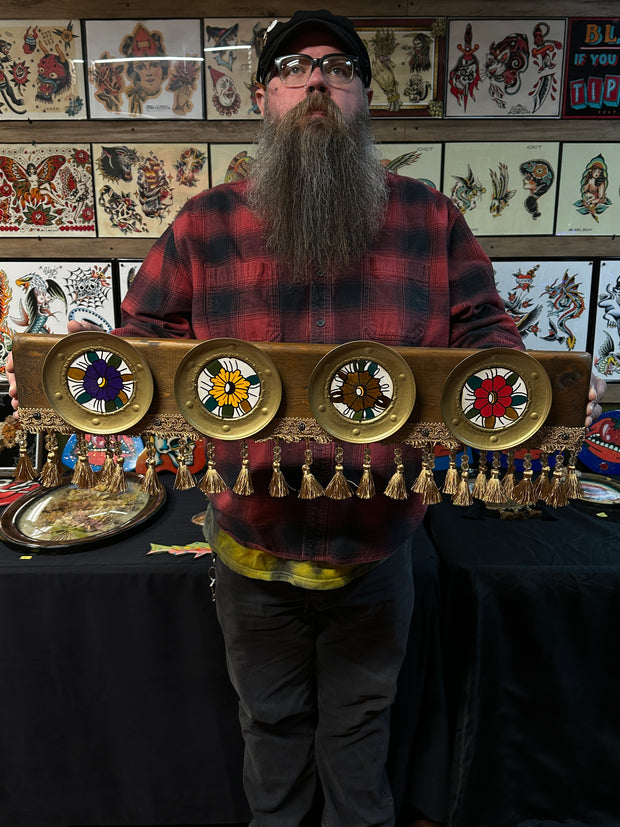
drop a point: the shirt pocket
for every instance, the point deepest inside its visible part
(242, 302)
(396, 303)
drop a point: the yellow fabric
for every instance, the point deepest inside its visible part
(264, 566)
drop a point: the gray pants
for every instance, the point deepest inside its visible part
(316, 675)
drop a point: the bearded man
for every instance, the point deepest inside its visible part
(315, 596)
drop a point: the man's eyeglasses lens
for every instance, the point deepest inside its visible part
(294, 70)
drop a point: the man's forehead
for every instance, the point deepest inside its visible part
(308, 40)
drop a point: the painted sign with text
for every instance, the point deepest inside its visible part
(593, 68)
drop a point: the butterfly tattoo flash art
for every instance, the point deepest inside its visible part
(46, 190)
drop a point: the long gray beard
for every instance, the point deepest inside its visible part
(318, 188)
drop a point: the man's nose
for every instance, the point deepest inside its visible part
(316, 81)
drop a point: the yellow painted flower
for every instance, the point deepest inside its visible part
(229, 388)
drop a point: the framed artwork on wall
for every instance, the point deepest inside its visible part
(41, 296)
(231, 49)
(503, 187)
(144, 69)
(422, 161)
(230, 162)
(139, 188)
(606, 347)
(504, 68)
(127, 269)
(42, 70)
(407, 57)
(549, 300)
(46, 189)
(589, 193)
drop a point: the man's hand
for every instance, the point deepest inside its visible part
(598, 387)
(72, 327)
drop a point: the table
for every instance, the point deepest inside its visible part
(532, 627)
(115, 703)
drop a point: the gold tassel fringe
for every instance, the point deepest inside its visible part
(366, 488)
(493, 489)
(463, 495)
(523, 492)
(277, 486)
(184, 479)
(338, 487)
(311, 488)
(243, 486)
(396, 489)
(51, 474)
(151, 484)
(212, 482)
(83, 474)
(24, 470)
(451, 482)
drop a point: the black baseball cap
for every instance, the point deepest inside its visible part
(342, 28)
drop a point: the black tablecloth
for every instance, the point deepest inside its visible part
(115, 704)
(532, 632)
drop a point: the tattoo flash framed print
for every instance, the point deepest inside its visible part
(231, 50)
(139, 188)
(549, 300)
(503, 188)
(46, 189)
(144, 69)
(41, 70)
(589, 196)
(505, 68)
(407, 57)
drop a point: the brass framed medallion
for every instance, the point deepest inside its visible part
(97, 382)
(362, 392)
(227, 388)
(496, 399)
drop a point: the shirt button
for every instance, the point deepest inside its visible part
(320, 322)
(320, 273)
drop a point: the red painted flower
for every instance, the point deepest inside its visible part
(493, 397)
(6, 190)
(81, 157)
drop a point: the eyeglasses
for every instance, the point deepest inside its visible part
(337, 69)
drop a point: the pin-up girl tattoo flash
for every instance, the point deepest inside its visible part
(594, 181)
(538, 177)
(146, 74)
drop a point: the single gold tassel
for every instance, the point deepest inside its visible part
(366, 488)
(24, 470)
(107, 469)
(311, 488)
(243, 485)
(184, 478)
(117, 482)
(508, 483)
(396, 489)
(493, 490)
(573, 486)
(83, 474)
(212, 482)
(277, 486)
(463, 495)
(151, 484)
(425, 483)
(557, 496)
(338, 487)
(451, 482)
(543, 483)
(480, 483)
(51, 475)
(523, 492)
